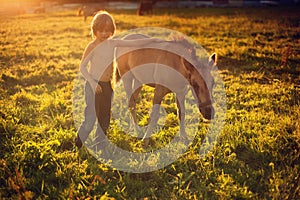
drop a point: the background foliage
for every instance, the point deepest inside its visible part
(257, 155)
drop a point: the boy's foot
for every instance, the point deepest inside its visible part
(78, 142)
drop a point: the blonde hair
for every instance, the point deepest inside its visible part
(103, 21)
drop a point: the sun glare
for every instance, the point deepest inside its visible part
(14, 7)
(18, 1)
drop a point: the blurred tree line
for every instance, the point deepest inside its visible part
(89, 1)
(77, 1)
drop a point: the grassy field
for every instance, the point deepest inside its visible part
(257, 155)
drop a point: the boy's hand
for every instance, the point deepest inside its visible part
(98, 89)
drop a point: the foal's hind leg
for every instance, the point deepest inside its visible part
(132, 109)
(159, 93)
(132, 89)
(127, 82)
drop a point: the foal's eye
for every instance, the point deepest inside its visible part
(213, 83)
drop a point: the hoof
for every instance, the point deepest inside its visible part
(146, 142)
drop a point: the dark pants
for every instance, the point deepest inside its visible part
(97, 106)
(103, 105)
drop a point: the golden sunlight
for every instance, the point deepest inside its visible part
(14, 7)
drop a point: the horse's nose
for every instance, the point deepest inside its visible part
(208, 112)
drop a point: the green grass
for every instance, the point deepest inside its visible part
(257, 155)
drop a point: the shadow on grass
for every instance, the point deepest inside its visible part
(272, 68)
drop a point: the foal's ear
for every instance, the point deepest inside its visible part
(212, 61)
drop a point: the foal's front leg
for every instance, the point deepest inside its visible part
(181, 114)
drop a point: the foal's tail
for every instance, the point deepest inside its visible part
(115, 76)
(80, 11)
